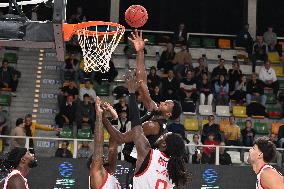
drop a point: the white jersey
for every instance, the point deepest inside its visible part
(110, 182)
(14, 173)
(155, 175)
(258, 181)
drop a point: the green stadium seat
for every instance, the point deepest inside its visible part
(11, 57)
(209, 43)
(66, 132)
(194, 42)
(261, 128)
(274, 112)
(5, 99)
(281, 84)
(84, 134)
(103, 89)
(271, 98)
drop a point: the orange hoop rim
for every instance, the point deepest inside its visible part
(79, 29)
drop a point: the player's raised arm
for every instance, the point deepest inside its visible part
(139, 44)
(97, 170)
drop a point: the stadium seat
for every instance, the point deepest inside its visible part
(261, 128)
(66, 132)
(106, 135)
(205, 110)
(11, 57)
(271, 98)
(191, 124)
(223, 111)
(103, 89)
(235, 156)
(209, 43)
(224, 43)
(194, 42)
(84, 134)
(5, 99)
(274, 111)
(241, 124)
(281, 84)
(240, 111)
(278, 70)
(223, 124)
(273, 57)
(275, 127)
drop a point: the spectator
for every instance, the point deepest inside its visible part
(64, 152)
(234, 75)
(9, 77)
(268, 76)
(124, 124)
(85, 112)
(273, 138)
(170, 87)
(78, 16)
(255, 90)
(153, 79)
(182, 61)
(31, 127)
(201, 69)
(109, 76)
(208, 155)
(244, 39)
(19, 130)
(248, 134)
(205, 90)
(224, 157)
(177, 127)
(67, 112)
(84, 75)
(221, 89)
(165, 62)
(121, 105)
(156, 95)
(4, 122)
(88, 89)
(259, 52)
(270, 38)
(219, 70)
(70, 68)
(188, 90)
(180, 35)
(69, 89)
(209, 128)
(232, 133)
(240, 90)
(195, 152)
(281, 136)
(85, 151)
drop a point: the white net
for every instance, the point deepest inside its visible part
(97, 49)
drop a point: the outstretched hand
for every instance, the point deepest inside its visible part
(130, 79)
(137, 40)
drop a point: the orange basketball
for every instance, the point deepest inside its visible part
(136, 16)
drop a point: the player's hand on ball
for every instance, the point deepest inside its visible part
(137, 40)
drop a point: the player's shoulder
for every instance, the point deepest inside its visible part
(270, 176)
(16, 180)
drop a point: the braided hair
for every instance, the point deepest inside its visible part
(176, 166)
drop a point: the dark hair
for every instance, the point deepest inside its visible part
(176, 164)
(86, 95)
(5, 60)
(67, 142)
(14, 157)
(267, 147)
(176, 111)
(195, 135)
(19, 121)
(28, 116)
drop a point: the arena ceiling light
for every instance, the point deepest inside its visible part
(30, 2)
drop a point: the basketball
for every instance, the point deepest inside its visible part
(136, 16)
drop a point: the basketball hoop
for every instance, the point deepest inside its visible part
(98, 40)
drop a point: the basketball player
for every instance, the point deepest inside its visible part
(102, 170)
(20, 161)
(155, 168)
(262, 153)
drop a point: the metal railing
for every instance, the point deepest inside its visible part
(75, 143)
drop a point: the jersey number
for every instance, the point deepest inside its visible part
(161, 184)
